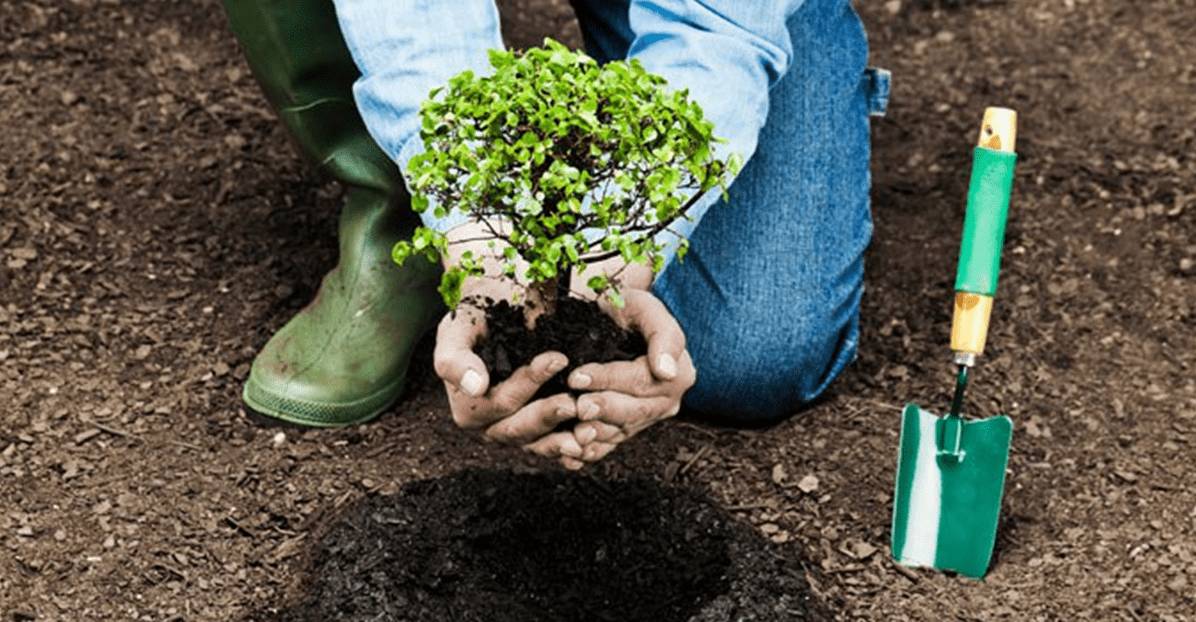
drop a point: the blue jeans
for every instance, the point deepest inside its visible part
(769, 294)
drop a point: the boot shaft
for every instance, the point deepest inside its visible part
(297, 54)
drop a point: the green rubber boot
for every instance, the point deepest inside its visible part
(343, 359)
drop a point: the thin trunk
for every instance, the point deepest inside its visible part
(543, 297)
(564, 284)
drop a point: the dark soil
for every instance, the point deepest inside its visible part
(156, 227)
(492, 546)
(578, 329)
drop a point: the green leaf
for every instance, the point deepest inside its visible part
(682, 249)
(401, 251)
(528, 206)
(734, 164)
(450, 287)
(419, 203)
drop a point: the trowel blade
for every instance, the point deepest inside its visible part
(945, 512)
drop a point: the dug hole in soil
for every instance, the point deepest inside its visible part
(497, 546)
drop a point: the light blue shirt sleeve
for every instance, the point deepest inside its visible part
(727, 53)
(404, 49)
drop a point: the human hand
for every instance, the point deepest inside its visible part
(501, 412)
(623, 398)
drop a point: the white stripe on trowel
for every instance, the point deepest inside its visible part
(925, 499)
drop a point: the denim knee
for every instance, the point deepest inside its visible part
(757, 367)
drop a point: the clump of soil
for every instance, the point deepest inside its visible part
(578, 329)
(496, 546)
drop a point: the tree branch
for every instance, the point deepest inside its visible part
(652, 231)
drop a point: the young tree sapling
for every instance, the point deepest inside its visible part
(565, 162)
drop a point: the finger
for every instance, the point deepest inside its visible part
(534, 420)
(597, 451)
(514, 392)
(507, 398)
(556, 445)
(469, 413)
(587, 432)
(573, 464)
(627, 412)
(454, 358)
(666, 339)
(631, 377)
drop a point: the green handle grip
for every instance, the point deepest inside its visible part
(984, 222)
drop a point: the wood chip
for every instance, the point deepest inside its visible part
(694, 459)
(808, 484)
(288, 548)
(905, 572)
(1127, 476)
(87, 435)
(858, 549)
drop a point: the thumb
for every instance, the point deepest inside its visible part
(666, 339)
(454, 359)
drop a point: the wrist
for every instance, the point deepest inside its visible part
(478, 238)
(637, 276)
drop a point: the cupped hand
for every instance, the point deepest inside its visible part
(503, 412)
(623, 398)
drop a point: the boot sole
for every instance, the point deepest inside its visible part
(311, 414)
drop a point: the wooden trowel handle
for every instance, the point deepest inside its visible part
(993, 162)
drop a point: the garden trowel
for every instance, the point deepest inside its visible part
(951, 470)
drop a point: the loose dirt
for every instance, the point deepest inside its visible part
(495, 546)
(578, 329)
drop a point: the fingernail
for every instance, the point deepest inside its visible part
(557, 365)
(565, 413)
(471, 383)
(586, 434)
(569, 447)
(580, 380)
(589, 411)
(667, 365)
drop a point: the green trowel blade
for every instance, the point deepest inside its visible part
(945, 511)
